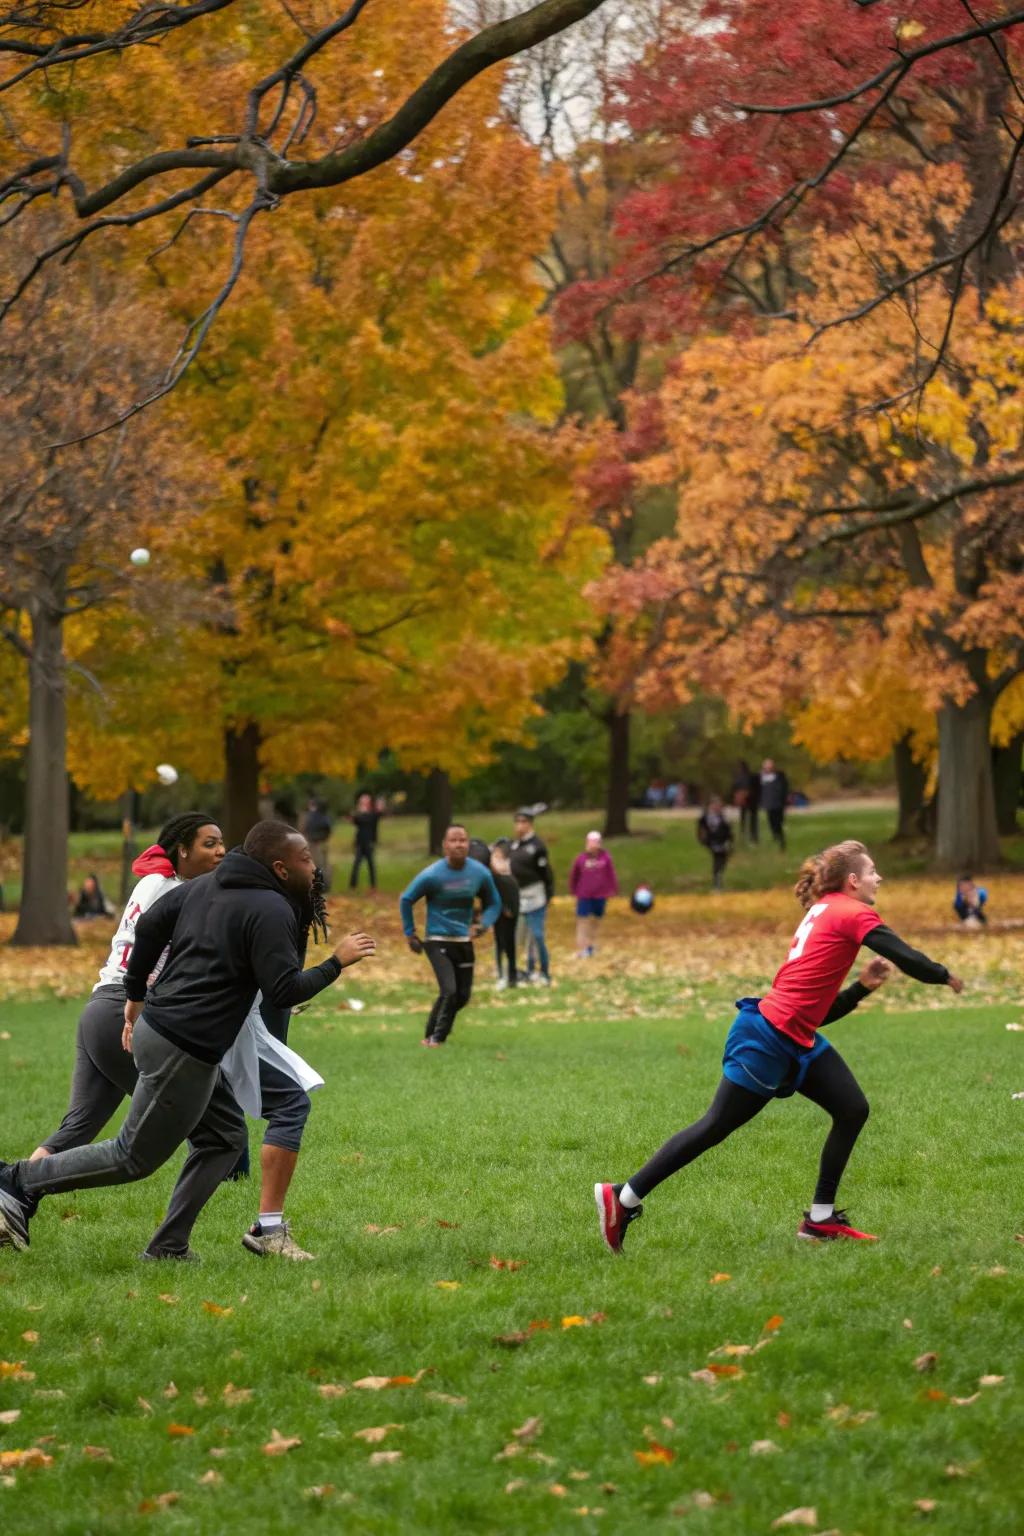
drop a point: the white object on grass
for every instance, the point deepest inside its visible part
(356, 1004)
(166, 774)
(140, 557)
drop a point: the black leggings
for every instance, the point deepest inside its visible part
(453, 967)
(829, 1082)
(363, 856)
(505, 947)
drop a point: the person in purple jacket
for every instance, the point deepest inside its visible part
(592, 880)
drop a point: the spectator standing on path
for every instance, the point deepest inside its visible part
(774, 798)
(317, 829)
(366, 820)
(531, 869)
(746, 795)
(714, 831)
(450, 887)
(505, 927)
(592, 880)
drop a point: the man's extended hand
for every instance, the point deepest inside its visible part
(131, 1013)
(956, 982)
(415, 944)
(874, 973)
(353, 948)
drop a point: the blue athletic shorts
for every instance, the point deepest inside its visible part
(590, 906)
(760, 1057)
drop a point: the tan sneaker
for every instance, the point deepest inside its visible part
(278, 1241)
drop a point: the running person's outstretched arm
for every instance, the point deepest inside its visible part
(274, 954)
(910, 961)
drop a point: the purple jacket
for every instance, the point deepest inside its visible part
(593, 875)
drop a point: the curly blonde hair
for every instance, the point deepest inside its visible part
(827, 871)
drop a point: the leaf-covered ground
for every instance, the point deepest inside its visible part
(718, 1377)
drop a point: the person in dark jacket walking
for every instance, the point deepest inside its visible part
(366, 820)
(532, 872)
(746, 796)
(774, 799)
(232, 933)
(716, 835)
(317, 826)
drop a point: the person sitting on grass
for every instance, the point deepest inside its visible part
(92, 901)
(774, 1050)
(969, 902)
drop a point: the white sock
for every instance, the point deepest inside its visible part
(628, 1199)
(822, 1212)
(269, 1220)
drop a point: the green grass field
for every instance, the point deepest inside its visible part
(488, 1151)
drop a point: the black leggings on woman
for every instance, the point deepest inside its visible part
(829, 1082)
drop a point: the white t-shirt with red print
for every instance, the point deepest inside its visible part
(158, 878)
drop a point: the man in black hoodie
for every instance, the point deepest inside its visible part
(231, 932)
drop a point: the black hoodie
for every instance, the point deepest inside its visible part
(231, 932)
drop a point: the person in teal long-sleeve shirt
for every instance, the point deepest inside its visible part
(450, 888)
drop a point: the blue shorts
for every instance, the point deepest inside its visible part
(591, 906)
(761, 1058)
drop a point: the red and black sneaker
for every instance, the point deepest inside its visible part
(836, 1225)
(614, 1217)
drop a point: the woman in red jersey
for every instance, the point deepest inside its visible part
(774, 1050)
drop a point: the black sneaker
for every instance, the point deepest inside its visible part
(180, 1255)
(15, 1210)
(613, 1216)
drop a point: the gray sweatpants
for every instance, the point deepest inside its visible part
(104, 1073)
(176, 1097)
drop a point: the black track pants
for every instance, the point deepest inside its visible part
(453, 966)
(829, 1083)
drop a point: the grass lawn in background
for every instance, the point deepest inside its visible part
(448, 1198)
(662, 849)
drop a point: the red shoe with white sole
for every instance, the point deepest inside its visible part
(613, 1216)
(837, 1225)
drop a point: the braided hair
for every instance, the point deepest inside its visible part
(313, 919)
(181, 832)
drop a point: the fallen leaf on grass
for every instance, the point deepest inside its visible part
(30, 1336)
(926, 1362)
(233, 1395)
(708, 1377)
(278, 1444)
(146, 1407)
(934, 1395)
(378, 1383)
(515, 1484)
(218, 1452)
(717, 1369)
(529, 1430)
(376, 1231)
(925, 1506)
(719, 1279)
(168, 1299)
(806, 1514)
(329, 1389)
(158, 1501)
(447, 1397)
(180, 1430)
(783, 1419)
(579, 1477)
(960, 1469)
(376, 1433)
(15, 1370)
(843, 1414)
(997, 1269)
(97, 1452)
(764, 1448)
(450, 1226)
(907, 1323)
(448, 1285)
(575, 1321)
(207, 1479)
(170, 1390)
(382, 1458)
(539, 1325)
(506, 1263)
(652, 1381)
(773, 1324)
(732, 1349)
(511, 1340)
(217, 1311)
(965, 1402)
(655, 1456)
(558, 1489)
(319, 1491)
(586, 1510)
(10, 1416)
(13, 1461)
(990, 1381)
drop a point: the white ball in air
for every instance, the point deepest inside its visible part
(140, 557)
(166, 774)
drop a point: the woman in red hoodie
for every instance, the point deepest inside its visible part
(592, 880)
(105, 1073)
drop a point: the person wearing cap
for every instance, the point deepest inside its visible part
(532, 872)
(592, 880)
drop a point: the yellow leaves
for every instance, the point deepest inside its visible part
(15, 1461)
(280, 1445)
(906, 31)
(575, 1322)
(180, 1431)
(14, 1370)
(805, 1515)
(656, 1455)
(168, 1299)
(376, 1433)
(378, 1383)
(448, 1285)
(719, 1279)
(215, 1310)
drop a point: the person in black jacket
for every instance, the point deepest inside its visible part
(366, 820)
(231, 933)
(532, 872)
(774, 799)
(505, 927)
(716, 835)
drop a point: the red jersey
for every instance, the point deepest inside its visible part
(824, 947)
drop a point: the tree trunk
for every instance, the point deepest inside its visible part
(439, 807)
(241, 781)
(44, 917)
(1006, 774)
(966, 839)
(616, 815)
(911, 782)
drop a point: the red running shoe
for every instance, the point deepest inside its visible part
(613, 1216)
(837, 1225)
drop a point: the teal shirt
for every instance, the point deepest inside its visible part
(450, 894)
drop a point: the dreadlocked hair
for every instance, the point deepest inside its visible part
(314, 913)
(181, 832)
(827, 871)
